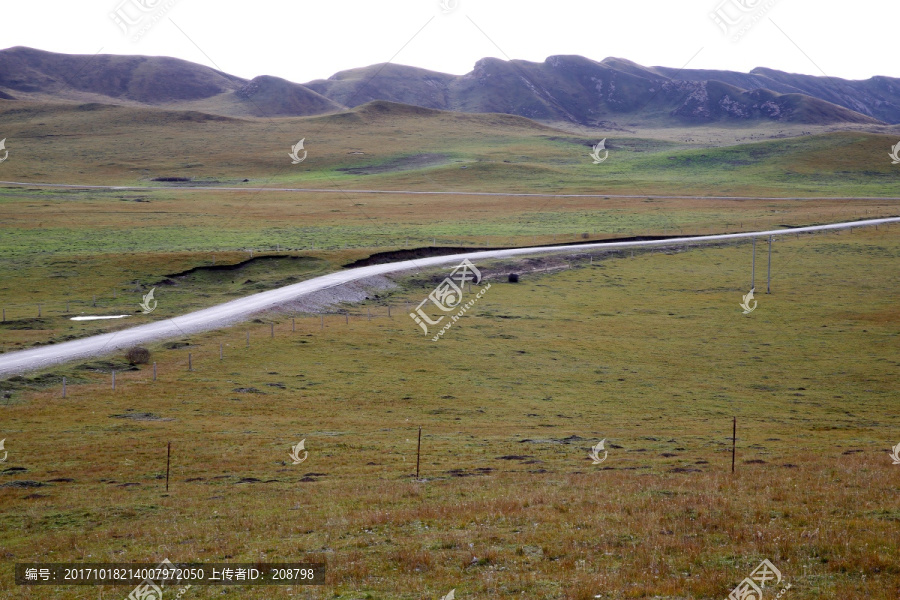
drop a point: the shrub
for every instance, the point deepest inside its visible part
(138, 356)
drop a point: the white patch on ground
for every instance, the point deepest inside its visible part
(98, 318)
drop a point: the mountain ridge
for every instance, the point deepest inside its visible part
(562, 88)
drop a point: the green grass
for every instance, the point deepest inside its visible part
(117, 145)
(651, 353)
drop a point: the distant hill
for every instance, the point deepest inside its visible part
(29, 74)
(562, 88)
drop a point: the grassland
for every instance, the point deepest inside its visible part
(124, 146)
(651, 353)
(88, 247)
(71, 251)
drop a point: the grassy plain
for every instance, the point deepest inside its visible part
(389, 146)
(87, 247)
(651, 353)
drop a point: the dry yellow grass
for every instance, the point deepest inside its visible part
(651, 353)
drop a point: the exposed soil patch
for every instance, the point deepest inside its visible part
(106, 366)
(413, 253)
(139, 416)
(464, 473)
(568, 440)
(178, 345)
(23, 484)
(238, 266)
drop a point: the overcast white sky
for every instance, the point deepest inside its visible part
(301, 40)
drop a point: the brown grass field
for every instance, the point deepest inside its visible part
(651, 353)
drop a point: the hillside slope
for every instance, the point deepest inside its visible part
(569, 89)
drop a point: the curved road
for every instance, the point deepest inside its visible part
(422, 193)
(236, 310)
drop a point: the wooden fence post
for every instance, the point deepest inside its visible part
(418, 452)
(733, 442)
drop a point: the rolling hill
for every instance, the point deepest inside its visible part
(570, 89)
